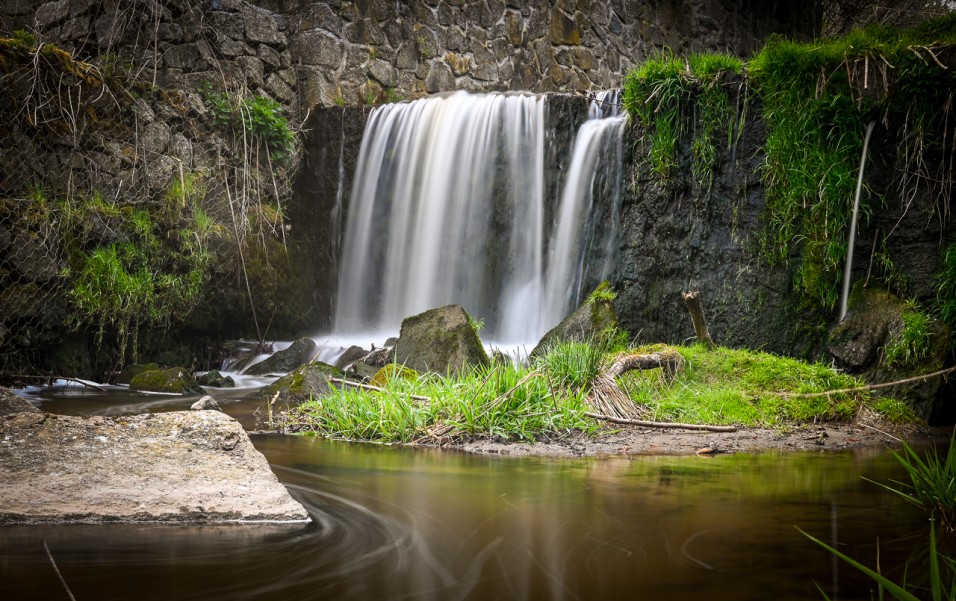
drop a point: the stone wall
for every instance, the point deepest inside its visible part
(369, 51)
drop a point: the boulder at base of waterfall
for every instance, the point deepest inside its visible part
(595, 315)
(301, 352)
(176, 380)
(439, 340)
(351, 355)
(10, 403)
(885, 339)
(180, 466)
(126, 375)
(214, 379)
(309, 381)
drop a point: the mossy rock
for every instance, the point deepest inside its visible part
(215, 379)
(440, 340)
(859, 344)
(595, 315)
(131, 371)
(308, 381)
(177, 380)
(393, 371)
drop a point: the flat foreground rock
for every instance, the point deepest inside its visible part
(185, 466)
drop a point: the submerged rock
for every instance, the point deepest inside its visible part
(595, 315)
(440, 340)
(183, 466)
(215, 379)
(301, 352)
(176, 380)
(308, 381)
(11, 404)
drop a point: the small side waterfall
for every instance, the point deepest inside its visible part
(448, 206)
(848, 269)
(582, 241)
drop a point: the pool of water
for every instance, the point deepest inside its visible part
(401, 523)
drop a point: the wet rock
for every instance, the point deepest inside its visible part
(207, 403)
(351, 355)
(594, 316)
(301, 352)
(214, 379)
(439, 340)
(176, 380)
(308, 381)
(11, 404)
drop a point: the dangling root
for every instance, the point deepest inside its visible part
(608, 399)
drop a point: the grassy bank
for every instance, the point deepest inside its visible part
(548, 398)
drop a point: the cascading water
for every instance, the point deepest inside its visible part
(448, 207)
(582, 241)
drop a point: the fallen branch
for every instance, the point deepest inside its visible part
(607, 397)
(668, 425)
(344, 382)
(809, 395)
(57, 570)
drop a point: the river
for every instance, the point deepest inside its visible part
(416, 523)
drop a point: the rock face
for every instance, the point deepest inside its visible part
(186, 466)
(301, 352)
(595, 315)
(177, 380)
(439, 340)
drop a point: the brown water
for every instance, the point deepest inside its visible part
(398, 523)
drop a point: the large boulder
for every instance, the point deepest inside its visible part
(308, 381)
(126, 375)
(439, 340)
(871, 342)
(11, 404)
(299, 353)
(595, 315)
(175, 380)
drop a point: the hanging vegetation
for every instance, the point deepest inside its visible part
(816, 99)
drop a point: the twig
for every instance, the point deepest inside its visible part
(881, 432)
(808, 395)
(344, 382)
(57, 570)
(669, 425)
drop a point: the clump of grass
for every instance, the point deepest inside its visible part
(941, 578)
(932, 483)
(911, 344)
(946, 292)
(672, 96)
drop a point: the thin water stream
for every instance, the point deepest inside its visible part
(401, 523)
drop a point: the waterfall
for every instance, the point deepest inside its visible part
(582, 242)
(448, 206)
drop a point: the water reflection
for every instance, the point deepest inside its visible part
(395, 523)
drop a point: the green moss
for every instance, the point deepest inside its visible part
(392, 371)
